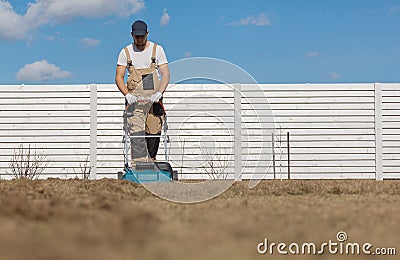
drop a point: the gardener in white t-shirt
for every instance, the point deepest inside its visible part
(146, 63)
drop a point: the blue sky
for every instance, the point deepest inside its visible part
(276, 41)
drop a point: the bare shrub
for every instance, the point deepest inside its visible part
(215, 163)
(27, 163)
(85, 169)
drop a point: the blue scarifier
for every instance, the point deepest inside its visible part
(145, 176)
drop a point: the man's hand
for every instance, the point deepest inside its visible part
(156, 97)
(131, 99)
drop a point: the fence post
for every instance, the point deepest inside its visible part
(378, 132)
(238, 131)
(288, 154)
(93, 131)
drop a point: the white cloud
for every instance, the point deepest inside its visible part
(10, 26)
(165, 18)
(88, 43)
(50, 38)
(41, 71)
(56, 37)
(334, 75)
(312, 54)
(16, 27)
(261, 20)
(394, 9)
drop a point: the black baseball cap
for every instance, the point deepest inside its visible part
(139, 28)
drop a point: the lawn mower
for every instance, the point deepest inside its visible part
(145, 172)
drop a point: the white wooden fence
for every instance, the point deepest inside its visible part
(336, 130)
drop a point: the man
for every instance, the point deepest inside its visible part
(146, 62)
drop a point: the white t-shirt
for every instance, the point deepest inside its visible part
(142, 59)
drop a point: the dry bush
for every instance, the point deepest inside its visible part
(215, 163)
(27, 163)
(85, 169)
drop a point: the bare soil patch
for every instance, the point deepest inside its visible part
(111, 219)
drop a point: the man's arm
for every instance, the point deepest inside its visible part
(119, 79)
(164, 71)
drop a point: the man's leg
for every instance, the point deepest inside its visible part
(153, 127)
(152, 145)
(137, 132)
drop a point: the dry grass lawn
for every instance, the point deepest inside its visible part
(111, 219)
